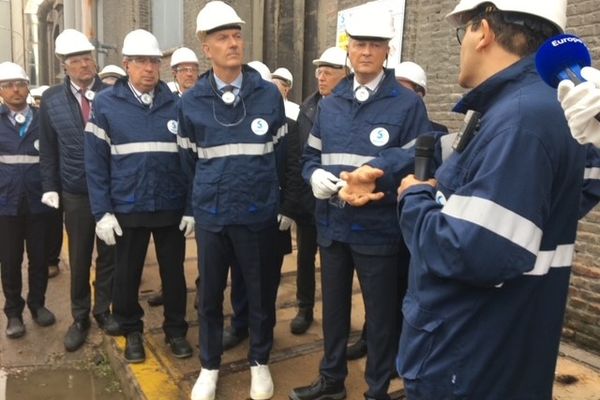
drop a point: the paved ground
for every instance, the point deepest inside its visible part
(294, 359)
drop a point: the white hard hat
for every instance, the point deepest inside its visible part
(283, 74)
(333, 56)
(374, 22)
(38, 91)
(262, 69)
(10, 71)
(554, 11)
(412, 72)
(71, 41)
(183, 55)
(216, 14)
(141, 43)
(112, 70)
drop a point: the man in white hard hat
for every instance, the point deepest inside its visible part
(111, 73)
(489, 273)
(185, 68)
(367, 117)
(137, 189)
(64, 111)
(412, 76)
(36, 95)
(25, 221)
(231, 128)
(299, 202)
(283, 79)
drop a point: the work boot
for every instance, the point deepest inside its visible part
(134, 348)
(232, 337)
(206, 385)
(106, 321)
(77, 334)
(261, 387)
(15, 328)
(156, 299)
(302, 321)
(43, 317)
(357, 349)
(180, 347)
(321, 389)
(53, 271)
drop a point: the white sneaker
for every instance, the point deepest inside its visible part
(206, 385)
(261, 387)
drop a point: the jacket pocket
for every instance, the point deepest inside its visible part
(205, 195)
(419, 332)
(122, 190)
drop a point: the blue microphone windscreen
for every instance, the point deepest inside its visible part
(559, 54)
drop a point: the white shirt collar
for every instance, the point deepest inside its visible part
(237, 82)
(370, 85)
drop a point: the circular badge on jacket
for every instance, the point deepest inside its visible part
(146, 99)
(228, 98)
(259, 126)
(89, 94)
(362, 94)
(379, 136)
(172, 126)
(19, 118)
(36, 144)
(440, 198)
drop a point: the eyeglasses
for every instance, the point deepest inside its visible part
(145, 60)
(187, 69)
(13, 85)
(327, 73)
(461, 31)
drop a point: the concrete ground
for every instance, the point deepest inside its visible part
(294, 359)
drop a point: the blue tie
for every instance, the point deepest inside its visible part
(23, 127)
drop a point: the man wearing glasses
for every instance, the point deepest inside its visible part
(64, 111)
(185, 67)
(137, 189)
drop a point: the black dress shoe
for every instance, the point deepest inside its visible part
(134, 348)
(15, 328)
(180, 347)
(357, 350)
(321, 389)
(232, 337)
(108, 324)
(77, 334)
(302, 321)
(156, 299)
(43, 317)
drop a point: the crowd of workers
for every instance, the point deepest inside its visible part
(464, 276)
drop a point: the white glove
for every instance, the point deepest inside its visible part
(324, 184)
(187, 225)
(581, 104)
(51, 199)
(107, 227)
(285, 223)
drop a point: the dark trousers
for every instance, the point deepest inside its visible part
(253, 252)
(28, 231)
(378, 277)
(239, 299)
(131, 250)
(306, 243)
(55, 239)
(80, 226)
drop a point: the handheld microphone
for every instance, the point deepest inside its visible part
(424, 149)
(562, 57)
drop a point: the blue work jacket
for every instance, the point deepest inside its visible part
(131, 159)
(229, 152)
(20, 166)
(491, 249)
(347, 134)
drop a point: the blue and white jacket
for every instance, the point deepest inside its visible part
(20, 166)
(131, 159)
(347, 134)
(491, 249)
(228, 152)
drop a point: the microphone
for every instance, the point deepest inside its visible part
(424, 148)
(562, 57)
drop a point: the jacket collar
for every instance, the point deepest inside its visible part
(206, 87)
(162, 93)
(388, 88)
(483, 96)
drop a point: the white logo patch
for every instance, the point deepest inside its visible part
(36, 144)
(172, 126)
(259, 126)
(440, 198)
(379, 137)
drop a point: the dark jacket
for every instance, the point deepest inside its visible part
(61, 139)
(298, 199)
